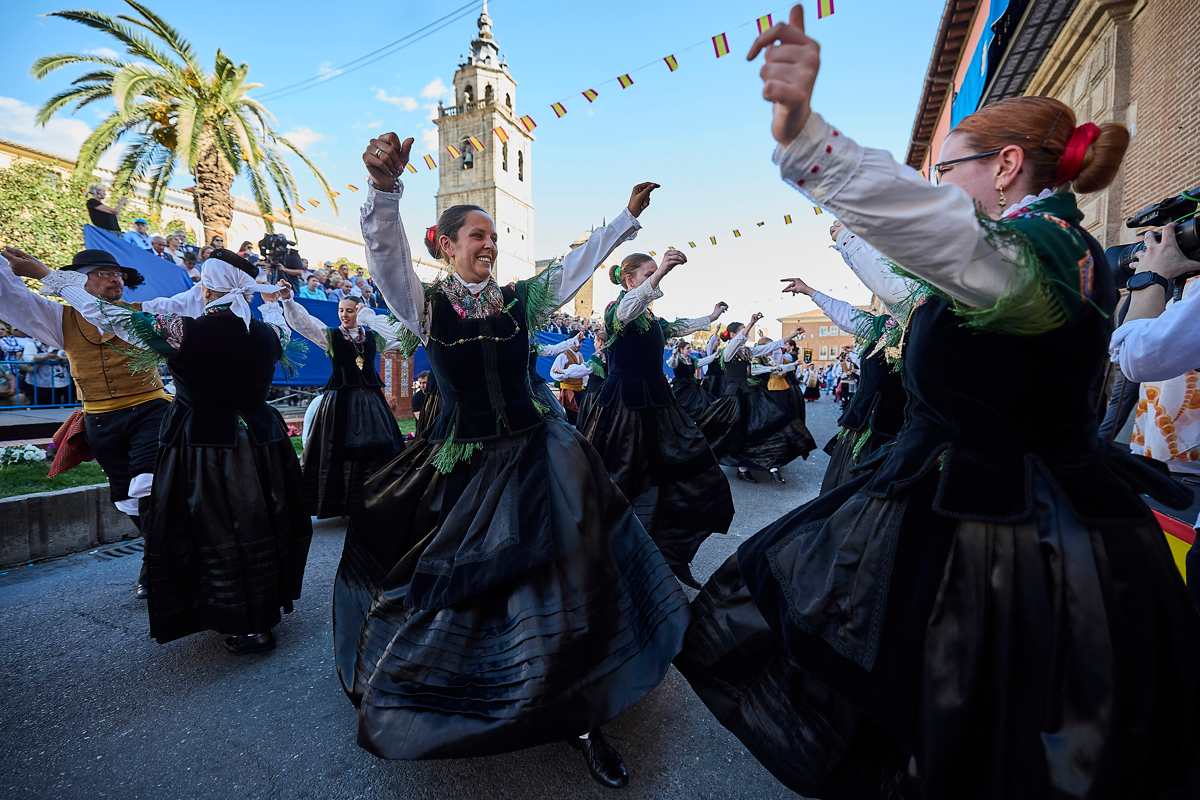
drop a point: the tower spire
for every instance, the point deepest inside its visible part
(485, 49)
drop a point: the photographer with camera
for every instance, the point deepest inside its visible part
(280, 261)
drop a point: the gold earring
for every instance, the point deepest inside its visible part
(1003, 199)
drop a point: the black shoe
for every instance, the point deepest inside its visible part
(746, 476)
(778, 476)
(247, 643)
(603, 761)
(140, 591)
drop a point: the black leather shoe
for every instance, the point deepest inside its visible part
(603, 761)
(140, 591)
(247, 643)
(746, 476)
(778, 476)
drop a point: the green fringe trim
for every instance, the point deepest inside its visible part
(409, 341)
(541, 407)
(615, 327)
(152, 349)
(450, 453)
(539, 300)
(860, 443)
(597, 367)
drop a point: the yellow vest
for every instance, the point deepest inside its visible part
(572, 384)
(100, 368)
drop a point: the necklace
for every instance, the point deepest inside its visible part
(469, 306)
(357, 340)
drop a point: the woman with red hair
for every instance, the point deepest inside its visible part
(988, 609)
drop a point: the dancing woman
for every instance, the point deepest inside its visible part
(652, 449)
(499, 592)
(745, 427)
(226, 529)
(992, 610)
(714, 372)
(353, 429)
(685, 384)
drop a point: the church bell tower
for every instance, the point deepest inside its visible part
(500, 177)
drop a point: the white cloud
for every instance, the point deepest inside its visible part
(403, 103)
(435, 89)
(429, 139)
(303, 138)
(103, 52)
(61, 135)
(326, 70)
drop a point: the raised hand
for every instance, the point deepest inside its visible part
(24, 265)
(797, 286)
(386, 157)
(718, 310)
(285, 290)
(672, 259)
(639, 198)
(834, 230)
(788, 74)
(757, 316)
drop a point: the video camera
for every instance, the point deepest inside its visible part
(1179, 210)
(275, 248)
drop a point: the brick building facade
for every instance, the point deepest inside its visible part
(821, 336)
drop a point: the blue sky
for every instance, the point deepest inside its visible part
(702, 132)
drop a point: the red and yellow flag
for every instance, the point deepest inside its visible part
(352, 187)
(334, 193)
(764, 22)
(713, 239)
(787, 219)
(737, 234)
(672, 63)
(559, 109)
(625, 80)
(591, 95)
(721, 44)
(478, 145)
(760, 224)
(453, 151)
(501, 134)
(429, 162)
(409, 166)
(824, 8)
(817, 210)
(314, 202)
(692, 245)
(528, 123)
(300, 207)
(653, 253)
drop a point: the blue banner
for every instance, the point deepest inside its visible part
(163, 278)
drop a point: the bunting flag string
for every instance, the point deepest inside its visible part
(591, 95)
(713, 239)
(824, 8)
(672, 63)
(453, 151)
(478, 145)
(528, 123)
(352, 187)
(721, 45)
(764, 23)
(559, 110)
(737, 234)
(429, 162)
(625, 80)
(409, 166)
(501, 134)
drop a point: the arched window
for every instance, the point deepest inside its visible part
(489, 95)
(468, 96)
(468, 154)
(504, 156)
(508, 101)
(520, 165)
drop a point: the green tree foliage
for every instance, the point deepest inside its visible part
(41, 212)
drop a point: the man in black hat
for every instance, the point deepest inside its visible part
(122, 407)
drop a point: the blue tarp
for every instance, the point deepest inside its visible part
(966, 99)
(163, 279)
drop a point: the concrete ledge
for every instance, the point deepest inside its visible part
(49, 524)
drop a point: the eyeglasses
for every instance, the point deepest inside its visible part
(109, 274)
(942, 167)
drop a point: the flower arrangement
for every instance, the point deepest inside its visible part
(21, 454)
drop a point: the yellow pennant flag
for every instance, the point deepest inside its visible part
(764, 22)
(352, 187)
(591, 95)
(334, 193)
(478, 145)
(760, 224)
(453, 151)
(713, 239)
(721, 45)
(672, 63)
(300, 208)
(692, 245)
(625, 80)
(429, 162)
(409, 166)
(559, 109)
(314, 202)
(653, 253)
(737, 234)
(817, 210)
(528, 123)
(824, 8)
(787, 219)
(501, 134)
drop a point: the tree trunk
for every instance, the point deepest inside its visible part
(212, 195)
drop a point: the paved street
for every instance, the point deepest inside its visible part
(93, 708)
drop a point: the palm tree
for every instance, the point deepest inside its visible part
(172, 113)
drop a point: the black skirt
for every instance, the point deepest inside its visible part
(587, 399)
(843, 458)
(691, 398)
(750, 430)
(227, 534)
(660, 449)
(511, 602)
(1049, 658)
(353, 432)
(544, 398)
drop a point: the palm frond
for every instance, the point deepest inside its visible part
(158, 25)
(98, 75)
(58, 101)
(164, 170)
(187, 132)
(101, 139)
(132, 81)
(47, 64)
(136, 44)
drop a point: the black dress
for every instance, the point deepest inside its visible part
(598, 364)
(748, 429)
(870, 420)
(653, 449)
(990, 606)
(688, 392)
(353, 431)
(714, 377)
(543, 398)
(227, 528)
(499, 592)
(102, 219)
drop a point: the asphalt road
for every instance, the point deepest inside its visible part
(92, 708)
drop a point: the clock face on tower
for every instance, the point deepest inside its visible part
(485, 153)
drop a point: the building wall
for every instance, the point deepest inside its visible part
(821, 336)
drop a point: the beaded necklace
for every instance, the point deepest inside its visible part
(489, 302)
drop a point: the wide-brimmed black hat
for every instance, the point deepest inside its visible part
(233, 259)
(87, 260)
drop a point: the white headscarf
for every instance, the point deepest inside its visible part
(220, 276)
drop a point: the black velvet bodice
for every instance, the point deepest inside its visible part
(635, 366)
(482, 371)
(222, 375)
(346, 374)
(736, 376)
(685, 372)
(879, 401)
